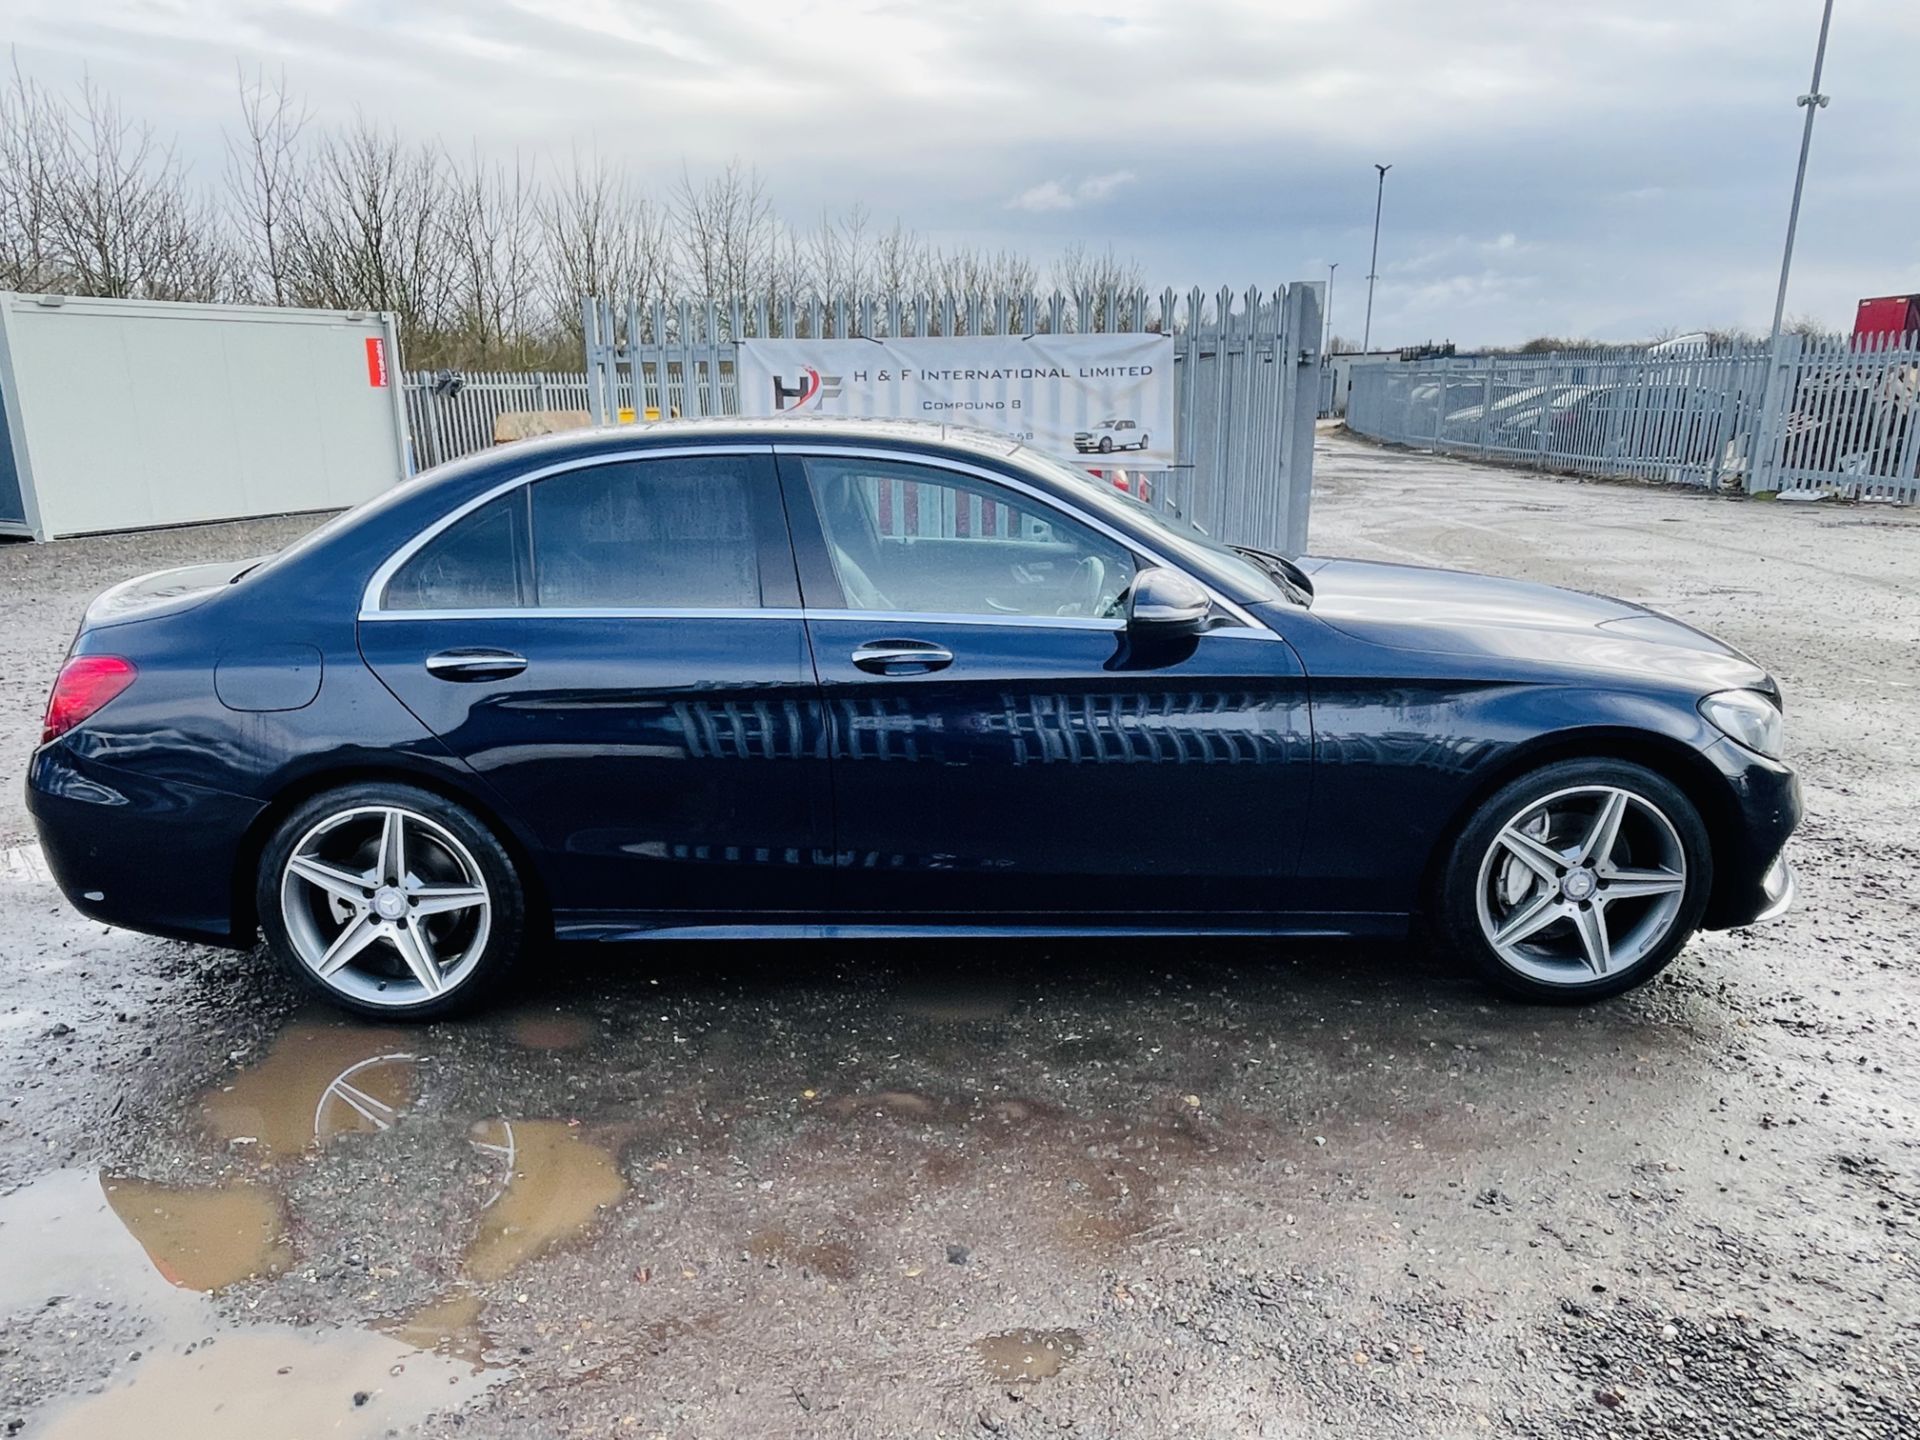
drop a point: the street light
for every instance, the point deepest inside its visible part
(1380, 195)
(1326, 345)
(1812, 102)
(1767, 444)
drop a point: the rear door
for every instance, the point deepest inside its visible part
(618, 651)
(1001, 747)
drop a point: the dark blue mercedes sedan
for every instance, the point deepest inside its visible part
(861, 678)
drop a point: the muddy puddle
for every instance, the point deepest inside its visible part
(82, 1245)
(154, 1256)
(318, 1080)
(202, 1238)
(558, 1183)
(1020, 1357)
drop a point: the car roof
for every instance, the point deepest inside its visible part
(775, 429)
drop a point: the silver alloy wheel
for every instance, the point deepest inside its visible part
(1584, 883)
(385, 905)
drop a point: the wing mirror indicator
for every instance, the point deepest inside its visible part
(1166, 602)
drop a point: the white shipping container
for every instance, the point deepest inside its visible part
(122, 414)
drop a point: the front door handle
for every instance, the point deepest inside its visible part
(476, 664)
(901, 657)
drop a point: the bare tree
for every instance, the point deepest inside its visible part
(265, 165)
(1094, 280)
(601, 237)
(120, 216)
(30, 126)
(494, 237)
(484, 262)
(899, 260)
(840, 253)
(371, 230)
(726, 233)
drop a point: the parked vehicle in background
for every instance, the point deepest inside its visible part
(1661, 421)
(1888, 315)
(690, 680)
(1468, 418)
(1110, 435)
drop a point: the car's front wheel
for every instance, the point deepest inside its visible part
(1576, 882)
(391, 901)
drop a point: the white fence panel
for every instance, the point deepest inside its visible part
(1842, 413)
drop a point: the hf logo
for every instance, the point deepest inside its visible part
(812, 388)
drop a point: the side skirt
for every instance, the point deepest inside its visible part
(1353, 925)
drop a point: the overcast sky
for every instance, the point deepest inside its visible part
(1586, 167)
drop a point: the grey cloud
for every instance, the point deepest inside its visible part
(1639, 152)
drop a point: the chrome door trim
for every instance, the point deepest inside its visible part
(370, 607)
(879, 617)
(933, 461)
(590, 612)
(908, 618)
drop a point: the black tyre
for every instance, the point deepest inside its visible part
(1106, 444)
(391, 901)
(1576, 882)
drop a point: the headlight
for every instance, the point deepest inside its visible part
(1748, 717)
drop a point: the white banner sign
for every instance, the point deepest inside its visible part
(1099, 399)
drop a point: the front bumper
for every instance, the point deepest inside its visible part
(1782, 885)
(1753, 880)
(137, 851)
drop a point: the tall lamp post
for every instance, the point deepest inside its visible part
(1373, 268)
(1766, 449)
(1326, 345)
(1812, 102)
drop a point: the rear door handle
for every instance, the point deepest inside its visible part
(901, 657)
(475, 664)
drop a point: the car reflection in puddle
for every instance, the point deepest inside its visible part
(157, 1252)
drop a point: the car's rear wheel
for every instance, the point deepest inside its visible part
(391, 901)
(1579, 881)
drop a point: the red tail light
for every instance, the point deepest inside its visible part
(86, 683)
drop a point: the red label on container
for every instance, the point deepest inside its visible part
(376, 361)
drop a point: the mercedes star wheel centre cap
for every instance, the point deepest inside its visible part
(1579, 884)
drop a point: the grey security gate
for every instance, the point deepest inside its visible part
(1246, 375)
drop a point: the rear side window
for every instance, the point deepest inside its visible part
(477, 563)
(672, 533)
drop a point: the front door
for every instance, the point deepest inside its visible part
(1001, 747)
(617, 651)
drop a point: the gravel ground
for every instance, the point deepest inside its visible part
(954, 1189)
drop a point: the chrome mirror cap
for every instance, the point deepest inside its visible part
(1166, 602)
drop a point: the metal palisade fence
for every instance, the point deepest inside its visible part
(1839, 413)
(450, 415)
(1246, 375)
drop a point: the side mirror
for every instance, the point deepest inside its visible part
(1163, 602)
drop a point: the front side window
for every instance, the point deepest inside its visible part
(912, 539)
